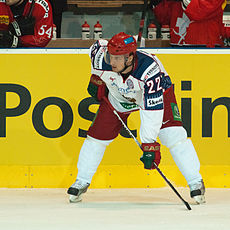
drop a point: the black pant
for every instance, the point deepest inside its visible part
(58, 7)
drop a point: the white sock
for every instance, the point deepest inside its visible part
(90, 156)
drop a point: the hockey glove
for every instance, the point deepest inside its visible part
(8, 40)
(154, 3)
(151, 153)
(97, 87)
(22, 26)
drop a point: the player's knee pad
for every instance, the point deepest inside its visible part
(172, 136)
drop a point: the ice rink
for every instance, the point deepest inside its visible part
(114, 209)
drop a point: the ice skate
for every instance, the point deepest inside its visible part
(197, 191)
(76, 190)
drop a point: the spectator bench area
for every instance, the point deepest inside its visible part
(103, 4)
(108, 3)
(79, 43)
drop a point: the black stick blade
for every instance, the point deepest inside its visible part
(187, 205)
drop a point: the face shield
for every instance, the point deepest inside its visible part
(109, 58)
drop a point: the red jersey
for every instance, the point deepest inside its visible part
(43, 29)
(200, 24)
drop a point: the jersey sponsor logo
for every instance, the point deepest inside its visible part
(122, 90)
(43, 3)
(128, 106)
(152, 70)
(4, 19)
(96, 53)
(152, 102)
(95, 48)
(98, 59)
(175, 111)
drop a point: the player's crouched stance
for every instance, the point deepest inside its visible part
(134, 80)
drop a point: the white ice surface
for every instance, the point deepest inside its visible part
(112, 209)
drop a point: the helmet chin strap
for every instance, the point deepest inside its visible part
(126, 66)
(17, 3)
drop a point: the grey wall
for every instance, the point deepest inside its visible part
(112, 22)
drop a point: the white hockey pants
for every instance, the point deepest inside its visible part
(183, 152)
(90, 157)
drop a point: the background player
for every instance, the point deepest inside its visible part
(19, 29)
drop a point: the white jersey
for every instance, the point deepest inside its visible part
(143, 89)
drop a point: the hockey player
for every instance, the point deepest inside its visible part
(134, 80)
(25, 23)
(192, 22)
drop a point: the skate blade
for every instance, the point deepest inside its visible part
(74, 199)
(199, 199)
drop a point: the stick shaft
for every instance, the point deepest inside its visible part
(31, 9)
(142, 22)
(138, 143)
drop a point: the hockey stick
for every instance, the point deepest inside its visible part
(142, 22)
(138, 143)
(31, 9)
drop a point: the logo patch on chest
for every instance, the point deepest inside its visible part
(4, 19)
(130, 84)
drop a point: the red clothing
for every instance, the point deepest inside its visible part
(43, 29)
(106, 125)
(200, 24)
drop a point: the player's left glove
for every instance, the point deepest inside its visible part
(97, 87)
(22, 26)
(151, 153)
(8, 40)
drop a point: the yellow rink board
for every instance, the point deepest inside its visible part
(30, 159)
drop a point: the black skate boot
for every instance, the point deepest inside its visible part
(197, 191)
(76, 190)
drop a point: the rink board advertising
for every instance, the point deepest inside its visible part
(45, 111)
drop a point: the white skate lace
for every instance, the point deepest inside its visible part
(199, 185)
(79, 184)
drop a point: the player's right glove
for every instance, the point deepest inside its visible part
(151, 153)
(97, 88)
(8, 40)
(22, 26)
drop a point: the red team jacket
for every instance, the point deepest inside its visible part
(200, 24)
(43, 29)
